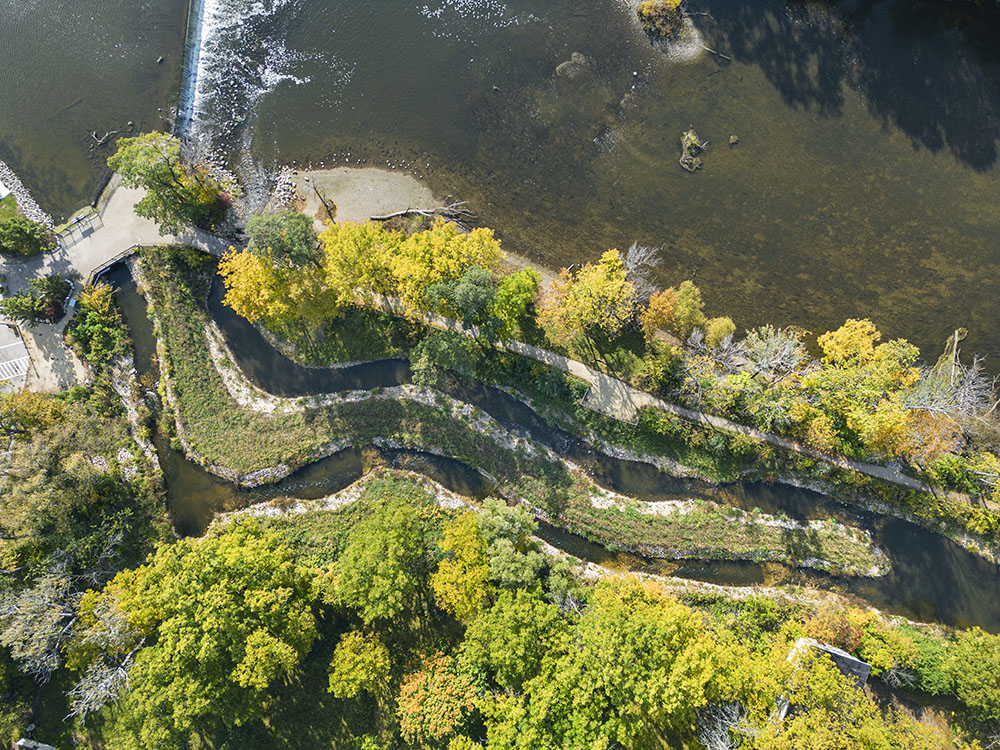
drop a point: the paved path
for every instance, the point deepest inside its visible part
(88, 249)
(118, 230)
(614, 398)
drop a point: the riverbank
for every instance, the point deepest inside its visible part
(27, 204)
(240, 432)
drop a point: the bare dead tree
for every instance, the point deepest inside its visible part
(963, 392)
(452, 210)
(774, 352)
(898, 676)
(103, 139)
(115, 642)
(102, 683)
(728, 355)
(36, 621)
(639, 261)
(721, 726)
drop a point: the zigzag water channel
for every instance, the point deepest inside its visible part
(932, 577)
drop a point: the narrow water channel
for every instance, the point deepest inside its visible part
(932, 578)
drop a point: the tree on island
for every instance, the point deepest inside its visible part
(288, 235)
(178, 193)
(21, 236)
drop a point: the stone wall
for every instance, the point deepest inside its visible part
(29, 207)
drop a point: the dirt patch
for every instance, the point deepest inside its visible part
(358, 194)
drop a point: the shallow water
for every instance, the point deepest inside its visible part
(68, 68)
(864, 183)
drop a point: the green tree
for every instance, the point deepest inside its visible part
(21, 236)
(515, 296)
(832, 712)
(384, 566)
(514, 556)
(22, 412)
(688, 313)
(360, 664)
(288, 235)
(511, 640)
(470, 299)
(226, 617)
(634, 672)
(974, 663)
(23, 307)
(443, 351)
(717, 329)
(178, 193)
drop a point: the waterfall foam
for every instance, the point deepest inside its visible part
(236, 54)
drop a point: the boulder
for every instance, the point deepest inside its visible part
(571, 69)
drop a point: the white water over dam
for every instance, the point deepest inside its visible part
(236, 53)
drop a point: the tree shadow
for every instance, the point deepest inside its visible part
(928, 68)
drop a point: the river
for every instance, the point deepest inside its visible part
(932, 578)
(865, 180)
(69, 68)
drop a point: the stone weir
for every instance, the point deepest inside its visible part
(28, 205)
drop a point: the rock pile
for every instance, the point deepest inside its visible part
(284, 188)
(29, 207)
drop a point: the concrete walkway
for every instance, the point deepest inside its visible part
(616, 399)
(88, 249)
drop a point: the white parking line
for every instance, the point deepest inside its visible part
(14, 368)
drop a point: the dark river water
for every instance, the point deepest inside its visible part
(71, 67)
(932, 578)
(865, 181)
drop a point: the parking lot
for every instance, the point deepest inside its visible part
(14, 361)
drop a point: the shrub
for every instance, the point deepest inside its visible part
(21, 236)
(98, 331)
(661, 18)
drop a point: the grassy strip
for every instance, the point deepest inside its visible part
(8, 208)
(319, 537)
(702, 531)
(223, 434)
(707, 531)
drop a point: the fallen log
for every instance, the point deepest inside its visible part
(103, 139)
(454, 211)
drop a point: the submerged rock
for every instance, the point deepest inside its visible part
(571, 69)
(691, 150)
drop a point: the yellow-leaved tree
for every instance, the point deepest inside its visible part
(357, 259)
(442, 253)
(462, 581)
(253, 287)
(597, 300)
